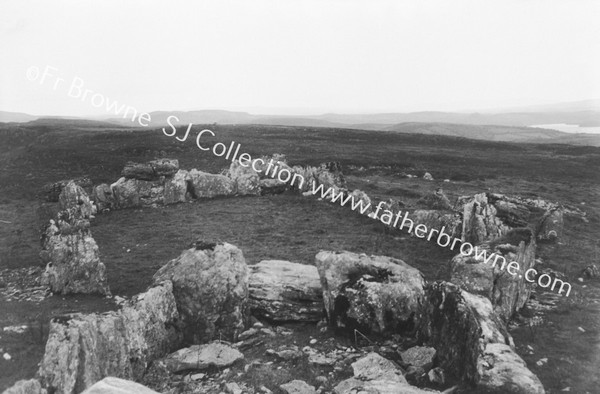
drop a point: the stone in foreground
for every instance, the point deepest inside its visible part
(31, 386)
(199, 357)
(210, 284)
(374, 294)
(284, 291)
(112, 385)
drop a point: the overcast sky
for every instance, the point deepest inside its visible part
(299, 56)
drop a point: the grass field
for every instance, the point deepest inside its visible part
(134, 243)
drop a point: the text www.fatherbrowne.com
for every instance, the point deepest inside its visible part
(442, 239)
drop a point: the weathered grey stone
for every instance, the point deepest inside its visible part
(176, 187)
(31, 386)
(271, 186)
(449, 222)
(71, 256)
(245, 179)
(130, 193)
(103, 197)
(374, 374)
(74, 197)
(298, 387)
(83, 349)
(551, 226)
(371, 293)
(112, 385)
(199, 357)
(503, 371)
(210, 284)
(285, 291)
(480, 220)
(52, 191)
(508, 293)
(207, 185)
(152, 170)
(470, 339)
(419, 356)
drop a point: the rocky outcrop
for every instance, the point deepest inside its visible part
(434, 219)
(210, 284)
(377, 375)
(112, 385)
(68, 249)
(83, 349)
(471, 342)
(200, 357)
(283, 291)
(51, 191)
(205, 185)
(375, 294)
(486, 273)
(245, 179)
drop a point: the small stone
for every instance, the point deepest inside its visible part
(233, 388)
(437, 376)
(298, 387)
(541, 361)
(7, 357)
(419, 356)
(197, 376)
(580, 329)
(258, 325)
(265, 390)
(313, 341)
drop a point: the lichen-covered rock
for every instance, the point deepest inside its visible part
(176, 187)
(130, 193)
(74, 197)
(245, 179)
(52, 191)
(502, 371)
(489, 216)
(551, 226)
(103, 197)
(112, 385)
(82, 349)
(419, 356)
(471, 342)
(284, 291)
(483, 272)
(210, 284)
(375, 294)
(199, 357)
(205, 185)
(31, 386)
(71, 255)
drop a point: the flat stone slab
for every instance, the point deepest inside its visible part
(199, 357)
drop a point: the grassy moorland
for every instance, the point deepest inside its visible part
(134, 243)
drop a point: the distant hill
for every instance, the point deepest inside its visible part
(15, 117)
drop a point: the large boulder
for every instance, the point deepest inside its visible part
(472, 343)
(103, 197)
(210, 284)
(483, 273)
(71, 256)
(245, 179)
(112, 385)
(205, 185)
(284, 291)
(130, 193)
(51, 191)
(82, 349)
(375, 294)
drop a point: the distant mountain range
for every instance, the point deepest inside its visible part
(493, 126)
